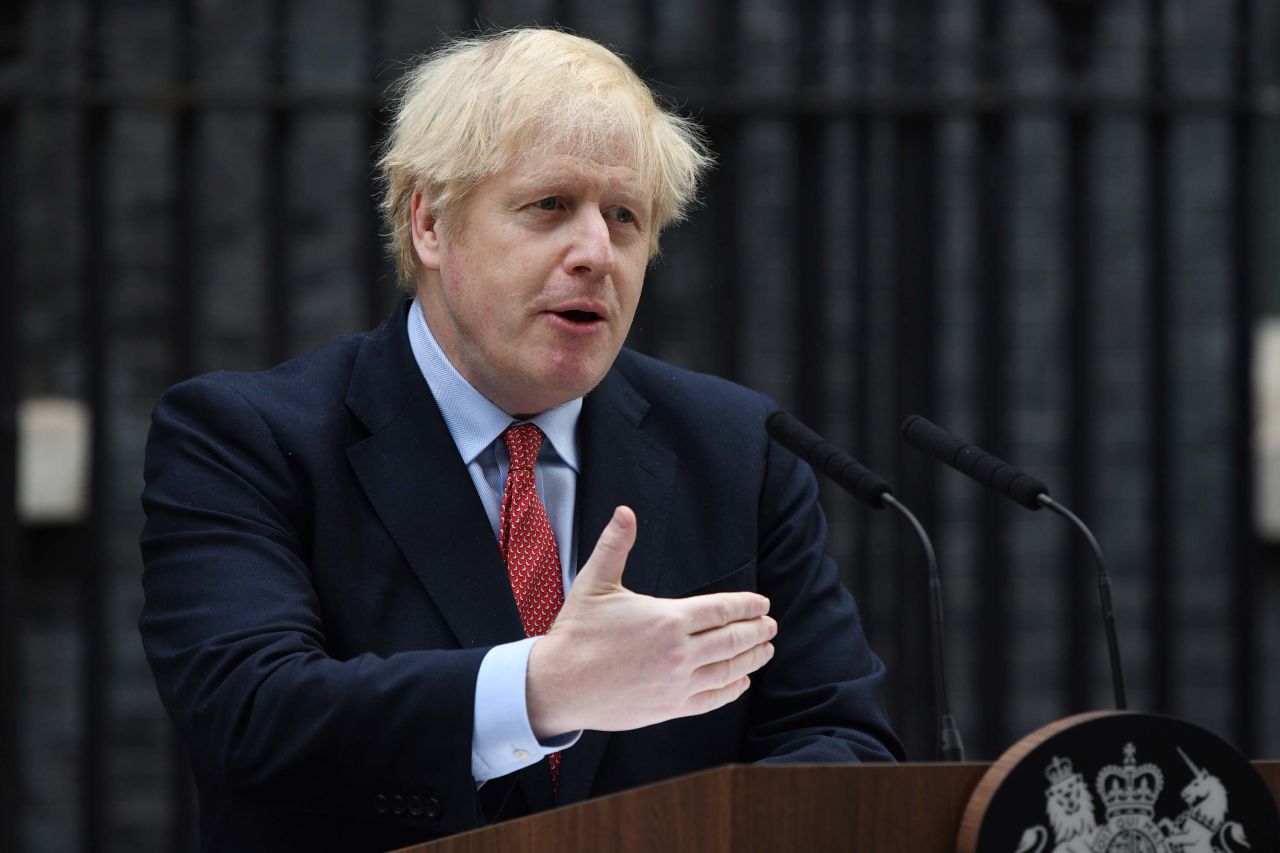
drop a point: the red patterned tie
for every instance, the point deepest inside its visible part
(528, 544)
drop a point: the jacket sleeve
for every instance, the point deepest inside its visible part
(233, 631)
(819, 699)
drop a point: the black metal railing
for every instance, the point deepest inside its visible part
(872, 328)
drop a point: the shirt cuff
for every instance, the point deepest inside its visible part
(502, 741)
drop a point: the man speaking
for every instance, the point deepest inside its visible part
(480, 561)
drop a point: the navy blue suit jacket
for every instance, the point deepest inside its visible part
(322, 583)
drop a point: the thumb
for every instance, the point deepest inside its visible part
(607, 561)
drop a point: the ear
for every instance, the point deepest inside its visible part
(426, 234)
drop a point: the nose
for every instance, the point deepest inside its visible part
(591, 245)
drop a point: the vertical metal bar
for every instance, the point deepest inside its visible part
(810, 287)
(184, 278)
(902, 694)
(1077, 32)
(861, 175)
(380, 273)
(184, 284)
(992, 240)
(562, 13)
(275, 188)
(725, 281)
(475, 15)
(647, 40)
(1244, 550)
(1159, 397)
(95, 292)
(915, 385)
(915, 378)
(10, 384)
(725, 291)
(643, 332)
(11, 21)
(1078, 676)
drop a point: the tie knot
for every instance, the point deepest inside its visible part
(523, 443)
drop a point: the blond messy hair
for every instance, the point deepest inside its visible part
(478, 105)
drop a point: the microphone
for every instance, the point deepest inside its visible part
(873, 490)
(1024, 489)
(847, 472)
(973, 461)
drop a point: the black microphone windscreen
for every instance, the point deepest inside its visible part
(966, 458)
(926, 436)
(827, 459)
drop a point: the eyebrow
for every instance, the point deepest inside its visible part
(555, 182)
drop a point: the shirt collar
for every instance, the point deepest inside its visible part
(473, 420)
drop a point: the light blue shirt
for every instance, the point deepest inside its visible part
(502, 740)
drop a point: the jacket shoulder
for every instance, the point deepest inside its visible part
(306, 388)
(697, 395)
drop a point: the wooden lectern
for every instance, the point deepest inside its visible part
(903, 808)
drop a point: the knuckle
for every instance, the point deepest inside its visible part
(609, 545)
(724, 611)
(670, 623)
(719, 673)
(735, 641)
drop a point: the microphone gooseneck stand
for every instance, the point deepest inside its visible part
(873, 490)
(950, 746)
(1104, 595)
(1024, 490)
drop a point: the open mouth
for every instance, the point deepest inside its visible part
(575, 316)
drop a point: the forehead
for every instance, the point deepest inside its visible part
(596, 173)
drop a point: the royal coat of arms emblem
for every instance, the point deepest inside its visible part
(1176, 788)
(1129, 793)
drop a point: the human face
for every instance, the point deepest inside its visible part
(532, 291)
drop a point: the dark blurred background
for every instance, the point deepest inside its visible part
(1046, 224)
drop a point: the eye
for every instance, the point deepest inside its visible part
(621, 214)
(548, 203)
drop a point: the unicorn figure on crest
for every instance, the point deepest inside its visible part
(1203, 826)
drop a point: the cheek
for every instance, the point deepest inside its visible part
(460, 285)
(487, 281)
(633, 283)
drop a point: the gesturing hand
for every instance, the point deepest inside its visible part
(615, 660)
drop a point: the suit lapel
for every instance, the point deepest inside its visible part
(410, 470)
(621, 465)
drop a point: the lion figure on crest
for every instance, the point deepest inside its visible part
(1070, 808)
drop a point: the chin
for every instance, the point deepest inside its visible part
(569, 388)
(529, 394)
(573, 376)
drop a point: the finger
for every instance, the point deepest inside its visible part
(709, 700)
(725, 672)
(728, 641)
(607, 561)
(721, 608)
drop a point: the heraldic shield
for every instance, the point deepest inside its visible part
(1117, 782)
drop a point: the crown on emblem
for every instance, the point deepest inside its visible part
(1131, 789)
(1059, 769)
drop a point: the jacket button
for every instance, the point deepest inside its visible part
(415, 805)
(432, 808)
(380, 804)
(397, 804)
